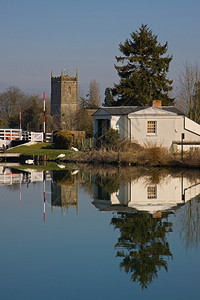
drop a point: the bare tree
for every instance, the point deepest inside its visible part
(94, 97)
(9, 102)
(188, 91)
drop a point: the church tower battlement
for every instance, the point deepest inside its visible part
(64, 98)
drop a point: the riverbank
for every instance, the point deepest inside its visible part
(122, 154)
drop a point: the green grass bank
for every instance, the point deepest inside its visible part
(42, 149)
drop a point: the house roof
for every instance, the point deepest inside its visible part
(125, 110)
(173, 110)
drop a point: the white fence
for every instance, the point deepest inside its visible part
(33, 136)
(49, 137)
(36, 136)
(8, 135)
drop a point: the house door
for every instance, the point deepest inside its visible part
(99, 129)
(108, 124)
(103, 126)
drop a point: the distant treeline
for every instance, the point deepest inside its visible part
(32, 110)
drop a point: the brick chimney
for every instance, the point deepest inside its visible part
(157, 103)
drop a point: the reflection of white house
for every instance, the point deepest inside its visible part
(156, 124)
(140, 195)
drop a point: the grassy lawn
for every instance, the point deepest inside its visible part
(42, 149)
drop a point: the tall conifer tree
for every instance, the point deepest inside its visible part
(109, 99)
(143, 70)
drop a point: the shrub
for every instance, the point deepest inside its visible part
(109, 138)
(63, 139)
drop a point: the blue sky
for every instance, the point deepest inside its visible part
(40, 35)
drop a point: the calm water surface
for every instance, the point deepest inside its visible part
(105, 234)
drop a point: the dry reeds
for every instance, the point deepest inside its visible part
(192, 158)
(155, 155)
(101, 155)
(126, 153)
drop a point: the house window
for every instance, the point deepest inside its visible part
(151, 127)
(152, 192)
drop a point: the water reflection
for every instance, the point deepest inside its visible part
(143, 245)
(142, 203)
(142, 206)
(64, 189)
(64, 184)
(144, 194)
(189, 223)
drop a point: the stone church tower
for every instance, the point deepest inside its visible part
(64, 98)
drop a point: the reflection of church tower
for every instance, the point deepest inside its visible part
(64, 193)
(64, 98)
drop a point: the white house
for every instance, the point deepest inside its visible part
(161, 125)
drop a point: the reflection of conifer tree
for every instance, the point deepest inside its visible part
(143, 245)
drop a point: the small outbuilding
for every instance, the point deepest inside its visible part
(149, 125)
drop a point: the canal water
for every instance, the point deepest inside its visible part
(99, 234)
